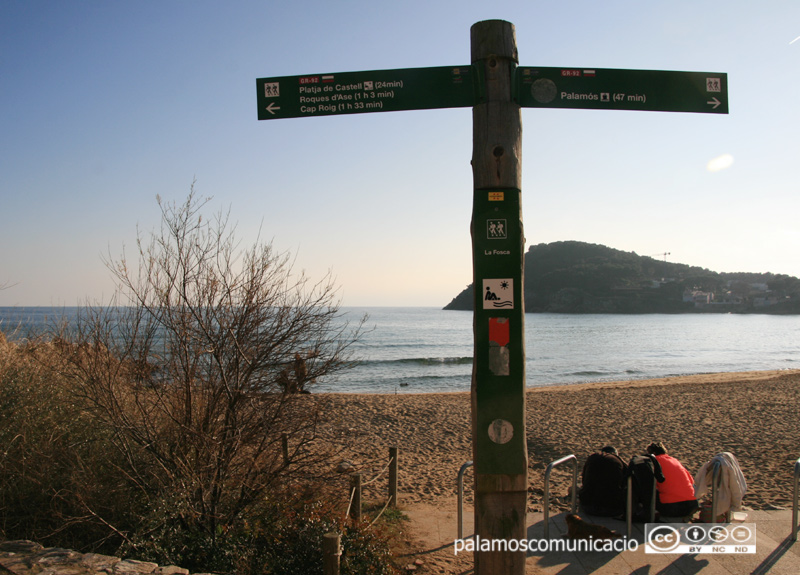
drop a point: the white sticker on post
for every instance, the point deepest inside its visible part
(501, 431)
(498, 294)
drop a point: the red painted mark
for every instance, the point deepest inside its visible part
(498, 330)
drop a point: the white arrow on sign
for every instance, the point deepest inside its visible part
(272, 108)
(715, 103)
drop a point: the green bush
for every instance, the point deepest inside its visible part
(297, 544)
(283, 538)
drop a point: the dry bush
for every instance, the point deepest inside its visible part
(56, 465)
(196, 369)
(153, 426)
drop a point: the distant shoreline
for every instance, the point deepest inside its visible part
(710, 310)
(690, 379)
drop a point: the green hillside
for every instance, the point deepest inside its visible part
(578, 277)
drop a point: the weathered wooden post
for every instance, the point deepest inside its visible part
(355, 494)
(285, 447)
(394, 453)
(498, 377)
(331, 551)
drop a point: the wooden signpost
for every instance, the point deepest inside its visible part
(495, 87)
(499, 442)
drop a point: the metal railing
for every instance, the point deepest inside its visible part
(547, 473)
(629, 506)
(716, 480)
(715, 483)
(796, 482)
(460, 483)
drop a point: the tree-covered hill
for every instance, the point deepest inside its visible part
(578, 277)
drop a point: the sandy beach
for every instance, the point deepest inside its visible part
(754, 415)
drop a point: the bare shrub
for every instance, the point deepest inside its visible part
(197, 367)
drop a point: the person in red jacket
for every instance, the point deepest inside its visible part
(675, 497)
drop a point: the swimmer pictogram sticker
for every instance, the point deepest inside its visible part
(498, 293)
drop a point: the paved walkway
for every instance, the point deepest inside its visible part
(775, 552)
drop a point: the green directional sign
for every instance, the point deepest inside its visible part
(361, 92)
(611, 89)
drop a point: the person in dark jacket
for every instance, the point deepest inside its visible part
(644, 472)
(603, 484)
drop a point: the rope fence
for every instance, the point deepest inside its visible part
(371, 523)
(331, 546)
(350, 504)
(357, 484)
(380, 473)
(332, 541)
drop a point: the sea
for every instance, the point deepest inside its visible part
(425, 349)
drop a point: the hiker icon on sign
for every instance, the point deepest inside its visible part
(496, 229)
(713, 85)
(272, 89)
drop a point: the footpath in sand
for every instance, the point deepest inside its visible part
(753, 415)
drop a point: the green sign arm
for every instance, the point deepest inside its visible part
(361, 92)
(612, 89)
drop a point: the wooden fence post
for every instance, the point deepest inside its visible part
(355, 492)
(330, 553)
(285, 447)
(394, 453)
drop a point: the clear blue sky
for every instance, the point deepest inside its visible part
(106, 104)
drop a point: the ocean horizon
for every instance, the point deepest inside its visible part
(427, 349)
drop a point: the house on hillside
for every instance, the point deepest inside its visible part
(699, 298)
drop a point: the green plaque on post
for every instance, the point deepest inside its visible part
(499, 313)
